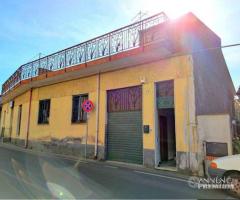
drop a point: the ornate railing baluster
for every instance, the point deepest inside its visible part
(123, 39)
(85, 53)
(109, 44)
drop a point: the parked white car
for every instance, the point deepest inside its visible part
(228, 167)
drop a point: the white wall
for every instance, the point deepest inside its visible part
(214, 128)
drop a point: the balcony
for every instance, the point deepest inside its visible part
(124, 39)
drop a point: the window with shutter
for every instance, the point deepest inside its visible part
(44, 111)
(78, 114)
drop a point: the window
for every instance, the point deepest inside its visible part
(19, 119)
(44, 109)
(78, 115)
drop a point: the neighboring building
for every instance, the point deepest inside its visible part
(161, 90)
(0, 111)
(237, 113)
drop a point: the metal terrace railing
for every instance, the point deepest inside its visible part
(120, 40)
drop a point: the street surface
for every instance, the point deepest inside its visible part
(30, 175)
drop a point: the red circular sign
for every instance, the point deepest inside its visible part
(87, 106)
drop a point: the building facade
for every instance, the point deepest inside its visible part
(161, 91)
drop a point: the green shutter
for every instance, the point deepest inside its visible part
(125, 137)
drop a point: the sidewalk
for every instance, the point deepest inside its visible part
(110, 163)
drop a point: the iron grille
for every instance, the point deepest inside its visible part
(114, 42)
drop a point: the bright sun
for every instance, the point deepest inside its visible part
(173, 8)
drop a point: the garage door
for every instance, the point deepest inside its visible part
(124, 130)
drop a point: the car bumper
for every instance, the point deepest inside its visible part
(216, 172)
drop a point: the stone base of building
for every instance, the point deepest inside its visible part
(101, 153)
(187, 163)
(190, 163)
(149, 158)
(18, 142)
(63, 147)
(6, 139)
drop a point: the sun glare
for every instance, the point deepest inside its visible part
(173, 8)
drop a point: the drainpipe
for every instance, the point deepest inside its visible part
(28, 122)
(97, 116)
(188, 124)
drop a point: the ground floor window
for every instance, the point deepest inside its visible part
(44, 111)
(78, 114)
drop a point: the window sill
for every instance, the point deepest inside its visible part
(81, 122)
(43, 124)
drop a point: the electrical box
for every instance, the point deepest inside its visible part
(146, 129)
(216, 149)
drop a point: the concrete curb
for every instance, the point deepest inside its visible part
(41, 153)
(109, 163)
(148, 170)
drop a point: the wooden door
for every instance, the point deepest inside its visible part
(163, 138)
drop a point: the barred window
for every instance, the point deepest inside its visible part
(44, 110)
(78, 114)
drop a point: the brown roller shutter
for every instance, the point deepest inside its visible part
(124, 130)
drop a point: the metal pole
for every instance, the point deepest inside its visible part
(97, 115)
(86, 138)
(29, 117)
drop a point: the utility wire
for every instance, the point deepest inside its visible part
(213, 48)
(231, 45)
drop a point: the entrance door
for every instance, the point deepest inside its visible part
(163, 138)
(124, 130)
(166, 118)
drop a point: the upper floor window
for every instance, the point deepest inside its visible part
(78, 114)
(44, 110)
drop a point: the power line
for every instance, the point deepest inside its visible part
(231, 45)
(215, 48)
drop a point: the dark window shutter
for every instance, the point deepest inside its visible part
(78, 115)
(75, 108)
(44, 111)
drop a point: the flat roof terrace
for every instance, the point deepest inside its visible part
(113, 45)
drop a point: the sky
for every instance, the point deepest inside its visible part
(30, 27)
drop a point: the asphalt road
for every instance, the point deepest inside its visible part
(27, 175)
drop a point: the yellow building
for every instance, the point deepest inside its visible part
(161, 91)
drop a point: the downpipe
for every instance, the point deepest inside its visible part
(29, 116)
(97, 116)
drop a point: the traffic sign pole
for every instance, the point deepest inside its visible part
(87, 106)
(86, 138)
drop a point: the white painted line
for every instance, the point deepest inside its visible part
(78, 162)
(39, 153)
(83, 161)
(36, 186)
(168, 177)
(109, 166)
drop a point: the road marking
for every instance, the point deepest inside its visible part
(109, 166)
(78, 162)
(36, 186)
(168, 177)
(43, 154)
